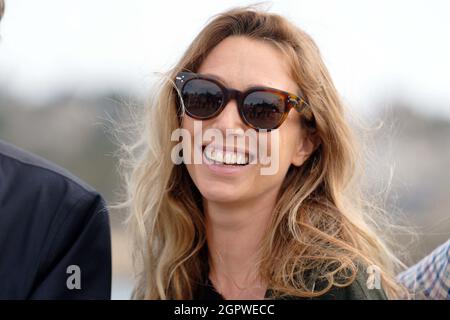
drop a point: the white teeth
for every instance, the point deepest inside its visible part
(233, 158)
(227, 157)
(219, 156)
(240, 158)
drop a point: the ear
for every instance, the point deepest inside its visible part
(305, 147)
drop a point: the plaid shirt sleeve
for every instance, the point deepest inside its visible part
(430, 277)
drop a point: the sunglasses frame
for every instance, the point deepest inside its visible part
(290, 100)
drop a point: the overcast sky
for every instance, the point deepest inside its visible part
(374, 49)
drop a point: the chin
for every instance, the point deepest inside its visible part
(220, 192)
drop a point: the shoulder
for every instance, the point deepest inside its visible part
(37, 195)
(21, 166)
(359, 289)
(429, 278)
(47, 217)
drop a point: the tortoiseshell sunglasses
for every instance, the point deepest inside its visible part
(259, 107)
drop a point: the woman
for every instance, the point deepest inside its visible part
(223, 229)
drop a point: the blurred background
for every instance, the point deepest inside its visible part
(68, 67)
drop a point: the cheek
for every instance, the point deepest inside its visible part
(289, 139)
(188, 124)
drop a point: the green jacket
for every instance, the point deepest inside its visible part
(357, 290)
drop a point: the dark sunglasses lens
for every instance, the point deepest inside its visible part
(202, 98)
(263, 110)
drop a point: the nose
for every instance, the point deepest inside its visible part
(229, 118)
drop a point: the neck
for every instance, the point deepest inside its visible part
(234, 234)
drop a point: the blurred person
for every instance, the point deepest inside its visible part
(220, 229)
(430, 277)
(54, 231)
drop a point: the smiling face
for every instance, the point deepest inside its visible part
(240, 62)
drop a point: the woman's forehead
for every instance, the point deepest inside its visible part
(241, 62)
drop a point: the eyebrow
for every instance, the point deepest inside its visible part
(225, 82)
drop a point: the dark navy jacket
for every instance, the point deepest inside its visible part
(53, 227)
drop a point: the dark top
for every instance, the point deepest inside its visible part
(355, 291)
(49, 221)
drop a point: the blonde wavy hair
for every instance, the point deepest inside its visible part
(321, 224)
